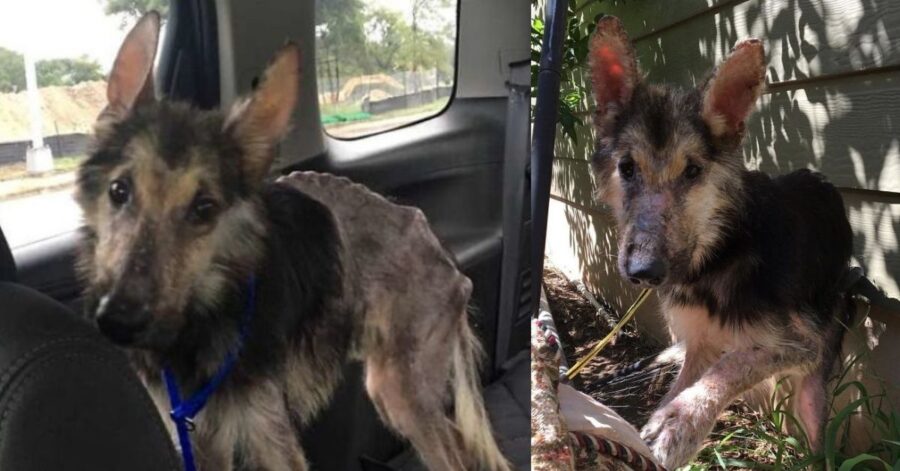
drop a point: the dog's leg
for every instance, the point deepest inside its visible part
(811, 408)
(810, 404)
(408, 373)
(676, 431)
(213, 449)
(697, 358)
(416, 414)
(421, 360)
(267, 439)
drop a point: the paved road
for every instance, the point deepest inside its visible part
(29, 219)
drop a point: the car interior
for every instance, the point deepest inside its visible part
(68, 398)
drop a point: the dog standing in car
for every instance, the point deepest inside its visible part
(190, 260)
(747, 267)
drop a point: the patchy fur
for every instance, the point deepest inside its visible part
(747, 267)
(178, 219)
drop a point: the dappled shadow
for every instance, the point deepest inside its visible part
(844, 123)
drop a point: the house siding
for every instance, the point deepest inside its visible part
(832, 104)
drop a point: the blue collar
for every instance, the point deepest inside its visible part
(183, 412)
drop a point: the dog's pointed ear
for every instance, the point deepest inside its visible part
(614, 71)
(131, 79)
(731, 93)
(261, 121)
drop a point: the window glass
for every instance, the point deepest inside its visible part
(381, 64)
(44, 130)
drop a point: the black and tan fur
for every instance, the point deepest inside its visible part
(747, 267)
(177, 217)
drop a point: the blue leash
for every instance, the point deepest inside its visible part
(183, 412)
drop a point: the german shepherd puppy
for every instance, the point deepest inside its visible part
(178, 218)
(747, 267)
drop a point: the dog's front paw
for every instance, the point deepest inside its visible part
(673, 433)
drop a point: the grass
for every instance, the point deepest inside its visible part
(345, 113)
(18, 170)
(760, 436)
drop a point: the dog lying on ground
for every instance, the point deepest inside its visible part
(747, 267)
(187, 254)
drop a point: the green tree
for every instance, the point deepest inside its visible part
(50, 72)
(357, 37)
(388, 36)
(12, 71)
(68, 71)
(430, 50)
(135, 8)
(423, 11)
(341, 39)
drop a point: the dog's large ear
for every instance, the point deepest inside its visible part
(131, 79)
(614, 71)
(730, 94)
(261, 121)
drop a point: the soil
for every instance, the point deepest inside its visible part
(70, 109)
(580, 327)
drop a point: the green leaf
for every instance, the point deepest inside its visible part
(832, 429)
(852, 462)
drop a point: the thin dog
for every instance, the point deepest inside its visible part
(191, 261)
(747, 267)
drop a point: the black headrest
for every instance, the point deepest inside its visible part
(7, 264)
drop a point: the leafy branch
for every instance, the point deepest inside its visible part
(574, 60)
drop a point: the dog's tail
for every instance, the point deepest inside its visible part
(470, 415)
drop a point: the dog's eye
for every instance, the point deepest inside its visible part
(202, 210)
(119, 192)
(626, 168)
(692, 171)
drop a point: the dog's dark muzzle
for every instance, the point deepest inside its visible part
(122, 320)
(649, 270)
(644, 263)
(644, 260)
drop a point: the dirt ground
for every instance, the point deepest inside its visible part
(580, 327)
(635, 396)
(64, 110)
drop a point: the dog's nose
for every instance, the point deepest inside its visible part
(122, 319)
(647, 270)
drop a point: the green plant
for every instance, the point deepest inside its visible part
(575, 55)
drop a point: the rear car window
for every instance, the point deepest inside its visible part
(381, 64)
(44, 127)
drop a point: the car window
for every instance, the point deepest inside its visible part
(44, 132)
(381, 64)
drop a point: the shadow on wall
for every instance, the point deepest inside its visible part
(845, 124)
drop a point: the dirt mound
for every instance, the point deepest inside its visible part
(65, 110)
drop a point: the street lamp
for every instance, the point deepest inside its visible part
(38, 158)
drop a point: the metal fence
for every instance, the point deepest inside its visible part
(61, 145)
(406, 101)
(356, 87)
